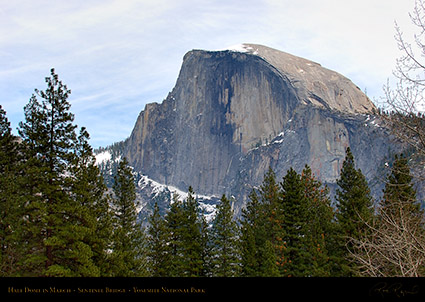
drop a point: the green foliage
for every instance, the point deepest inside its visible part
(175, 229)
(400, 195)
(400, 218)
(128, 257)
(262, 230)
(187, 242)
(297, 237)
(399, 188)
(321, 227)
(11, 201)
(191, 239)
(159, 252)
(354, 199)
(224, 242)
(354, 210)
(250, 227)
(49, 139)
(88, 190)
(286, 229)
(57, 190)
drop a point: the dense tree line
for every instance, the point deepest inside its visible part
(59, 219)
(288, 228)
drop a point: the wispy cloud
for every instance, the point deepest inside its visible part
(118, 55)
(352, 37)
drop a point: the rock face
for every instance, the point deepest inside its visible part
(234, 113)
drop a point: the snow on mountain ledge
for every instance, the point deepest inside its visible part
(241, 48)
(153, 188)
(206, 203)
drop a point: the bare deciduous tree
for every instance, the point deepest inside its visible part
(395, 246)
(406, 101)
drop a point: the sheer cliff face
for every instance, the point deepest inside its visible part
(232, 114)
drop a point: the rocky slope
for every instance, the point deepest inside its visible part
(233, 113)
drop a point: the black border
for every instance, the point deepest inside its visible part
(200, 288)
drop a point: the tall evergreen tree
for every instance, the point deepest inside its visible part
(206, 247)
(399, 191)
(400, 200)
(92, 210)
(158, 243)
(271, 200)
(224, 236)
(12, 201)
(174, 225)
(297, 236)
(128, 256)
(260, 231)
(250, 237)
(34, 170)
(394, 245)
(49, 137)
(354, 209)
(193, 265)
(321, 228)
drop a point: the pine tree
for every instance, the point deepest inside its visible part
(33, 171)
(158, 239)
(250, 239)
(9, 147)
(296, 232)
(271, 200)
(12, 201)
(270, 267)
(92, 210)
(174, 225)
(63, 213)
(206, 247)
(321, 228)
(401, 212)
(399, 191)
(224, 233)
(49, 138)
(193, 265)
(65, 225)
(394, 244)
(261, 246)
(354, 210)
(128, 256)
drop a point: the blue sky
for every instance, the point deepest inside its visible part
(118, 55)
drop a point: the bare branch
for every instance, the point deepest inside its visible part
(394, 245)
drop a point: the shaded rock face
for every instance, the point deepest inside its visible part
(233, 114)
(319, 138)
